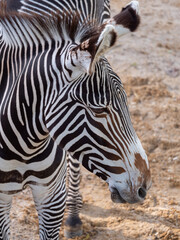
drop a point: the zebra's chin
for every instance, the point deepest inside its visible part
(116, 197)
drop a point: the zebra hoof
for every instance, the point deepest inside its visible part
(73, 227)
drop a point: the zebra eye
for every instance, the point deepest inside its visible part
(100, 111)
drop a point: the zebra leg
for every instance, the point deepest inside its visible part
(50, 204)
(73, 224)
(5, 206)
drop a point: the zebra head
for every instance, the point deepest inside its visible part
(90, 117)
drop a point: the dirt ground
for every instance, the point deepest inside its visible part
(148, 63)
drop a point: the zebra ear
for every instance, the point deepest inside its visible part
(88, 52)
(126, 21)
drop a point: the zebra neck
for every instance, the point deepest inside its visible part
(18, 30)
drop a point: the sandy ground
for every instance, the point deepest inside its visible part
(148, 63)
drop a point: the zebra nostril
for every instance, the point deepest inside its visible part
(142, 193)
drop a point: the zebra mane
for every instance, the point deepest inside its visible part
(17, 27)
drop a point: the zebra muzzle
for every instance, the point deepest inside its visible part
(116, 197)
(125, 196)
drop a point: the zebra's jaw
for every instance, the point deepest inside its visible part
(116, 197)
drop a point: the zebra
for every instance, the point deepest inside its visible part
(58, 95)
(99, 10)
